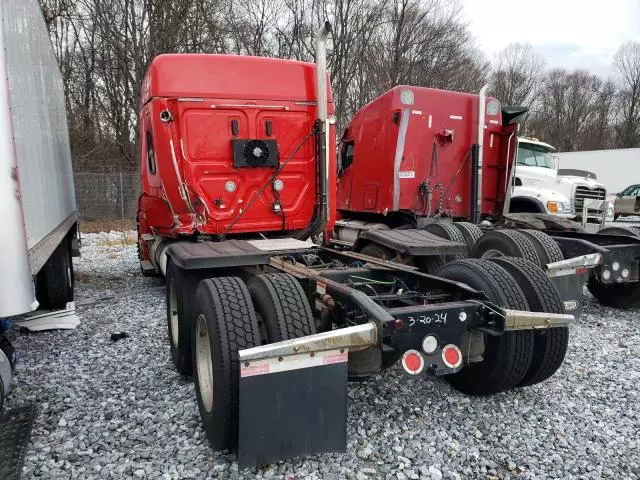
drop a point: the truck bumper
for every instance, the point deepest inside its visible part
(293, 394)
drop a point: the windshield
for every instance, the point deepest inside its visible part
(534, 156)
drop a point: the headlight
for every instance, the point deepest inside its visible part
(559, 207)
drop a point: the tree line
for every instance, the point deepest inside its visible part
(104, 46)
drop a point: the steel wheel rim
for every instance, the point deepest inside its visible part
(204, 366)
(173, 313)
(69, 275)
(492, 254)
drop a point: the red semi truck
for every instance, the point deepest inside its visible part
(443, 161)
(238, 171)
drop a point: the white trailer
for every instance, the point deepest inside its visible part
(617, 169)
(37, 198)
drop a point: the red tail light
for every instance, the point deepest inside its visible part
(451, 356)
(412, 362)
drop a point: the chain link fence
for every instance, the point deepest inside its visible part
(107, 201)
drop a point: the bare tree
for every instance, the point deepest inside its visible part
(566, 106)
(599, 132)
(104, 48)
(627, 64)
(516, 74)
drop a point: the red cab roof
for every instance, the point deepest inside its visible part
(229, 76)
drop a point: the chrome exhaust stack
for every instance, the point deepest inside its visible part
(322, 122)
(480, 142)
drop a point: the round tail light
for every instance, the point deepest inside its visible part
(412, 362)
(451, 356)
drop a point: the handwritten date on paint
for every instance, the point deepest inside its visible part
(426, 320)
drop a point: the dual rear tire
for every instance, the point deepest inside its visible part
(513, 359)
(227, 316)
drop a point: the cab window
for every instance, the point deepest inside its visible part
(346, 154)
(632, 190)
(534, 156)
(151, 159)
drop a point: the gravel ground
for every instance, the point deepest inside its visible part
(119, 410)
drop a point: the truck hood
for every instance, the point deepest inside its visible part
(576, 180)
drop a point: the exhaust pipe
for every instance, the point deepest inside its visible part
(323, 126)
(477, 164)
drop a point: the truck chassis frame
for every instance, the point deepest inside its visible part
(360, 304)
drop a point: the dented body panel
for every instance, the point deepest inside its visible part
(202, 118)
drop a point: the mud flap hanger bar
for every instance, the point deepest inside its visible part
(564, 267)
(293, 394)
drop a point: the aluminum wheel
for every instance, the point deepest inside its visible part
(173, 313)
(492, 254)
(204, 366)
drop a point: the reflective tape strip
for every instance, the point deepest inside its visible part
(402, 133)
(293, 362)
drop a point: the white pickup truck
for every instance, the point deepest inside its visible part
(539, 187)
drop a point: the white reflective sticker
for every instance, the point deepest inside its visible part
(493, 107)
(416, 112)
(455, 117)
(406, 97)
(430, 121)
(293, 362)
(407, 174)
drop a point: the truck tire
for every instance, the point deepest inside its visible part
(225, 322)
(430, 264)
(377, 251)
(471, 233)
(547, 249)
(507, 357)
(281, 306)
(54, 281)
(629, 231)
(620, 295)
(179, 295)
(549, 345)
(506, 243)
(449, 232)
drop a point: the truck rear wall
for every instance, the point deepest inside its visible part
(39, 123)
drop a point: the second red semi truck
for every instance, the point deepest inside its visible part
(239, 170)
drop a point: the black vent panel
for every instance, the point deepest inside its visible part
(255, 153)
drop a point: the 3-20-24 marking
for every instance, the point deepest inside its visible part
(426, 320)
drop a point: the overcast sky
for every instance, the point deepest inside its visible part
(567, 33)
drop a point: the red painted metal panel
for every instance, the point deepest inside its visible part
(412, 136)
(205, 95)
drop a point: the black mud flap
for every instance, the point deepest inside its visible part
(571, 287)
(292, 406)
